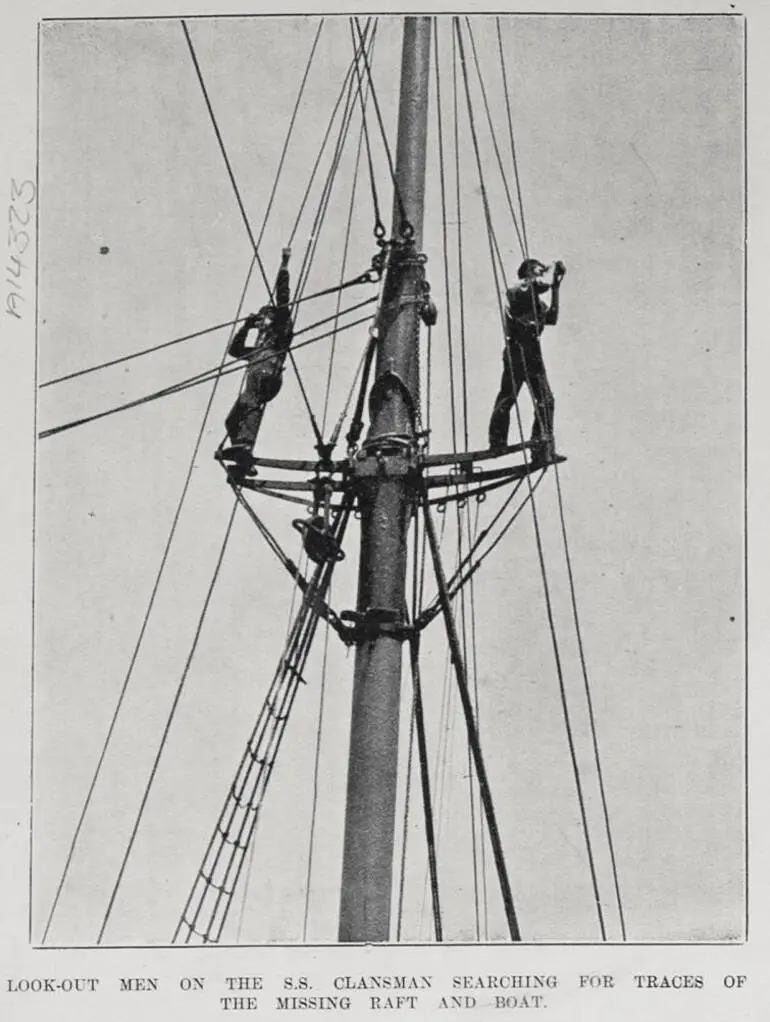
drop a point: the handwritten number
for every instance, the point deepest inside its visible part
(17, 242)
(12, 213)
(20, 239)
(17, 192)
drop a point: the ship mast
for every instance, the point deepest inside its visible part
(383, 478)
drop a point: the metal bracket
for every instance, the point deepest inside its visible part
(380, 465)
(375, 621)
(387, 456)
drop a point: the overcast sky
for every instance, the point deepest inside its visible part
(629, 137)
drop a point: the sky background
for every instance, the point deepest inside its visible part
(629, 137)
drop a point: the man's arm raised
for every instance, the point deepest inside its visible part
(559, 269)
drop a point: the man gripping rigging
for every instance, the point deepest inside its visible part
(525, 316)
(264, 371)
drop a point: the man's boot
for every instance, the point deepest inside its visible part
(241, 456)
(542, 453)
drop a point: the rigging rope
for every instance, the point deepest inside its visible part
(379, 226)
(204, 377)
(569, 731)
(192, 381)
(441, 767)
(335, 316)
(417, 724)
(458, 580)
(471, 791)
(422, 747)
(138, 354)
(447, 713)
(331, 175)
(360, 279)
(462, 493)
(472, 532)
(346, 245)
(167, 728)
(445, 246)
(473, 738)
(364, 278)
(461, 521)
(591, 717)
(334, 437)
(255, 259)
(405, 828)
(407, 795)
(589, 700)
(143, 628)
(252, 850)
(225, 854)
(448, 304)
(379, 230)
(407, 230)
(316, 774)
(510, 133)
(296, 591)
(458, 210)
(318, 223)
(289, 131)
(471, 540)
(301, 582)
(482, 187)
(462, 576)
(189, 661)
(271, 541)
(225, 156)
(276, 179)
(541, 558)
(266, 736)
(245, 896)
(466, 442)
(357, 423)
(343, 88)
(493, 136)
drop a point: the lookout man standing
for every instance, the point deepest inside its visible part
(525, 316)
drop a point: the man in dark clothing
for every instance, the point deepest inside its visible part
(264, 371)
(525, 316)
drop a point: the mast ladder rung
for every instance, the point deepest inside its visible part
(254, 750)
(209, 881)
(229, 841)
(279, 718)
(287, 666)
(254, 754)
(189, 926)
(246, 806)
(261, 762)
(237, 797)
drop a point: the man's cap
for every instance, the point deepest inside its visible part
(529, 265)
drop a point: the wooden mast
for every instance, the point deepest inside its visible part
(383, 474)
